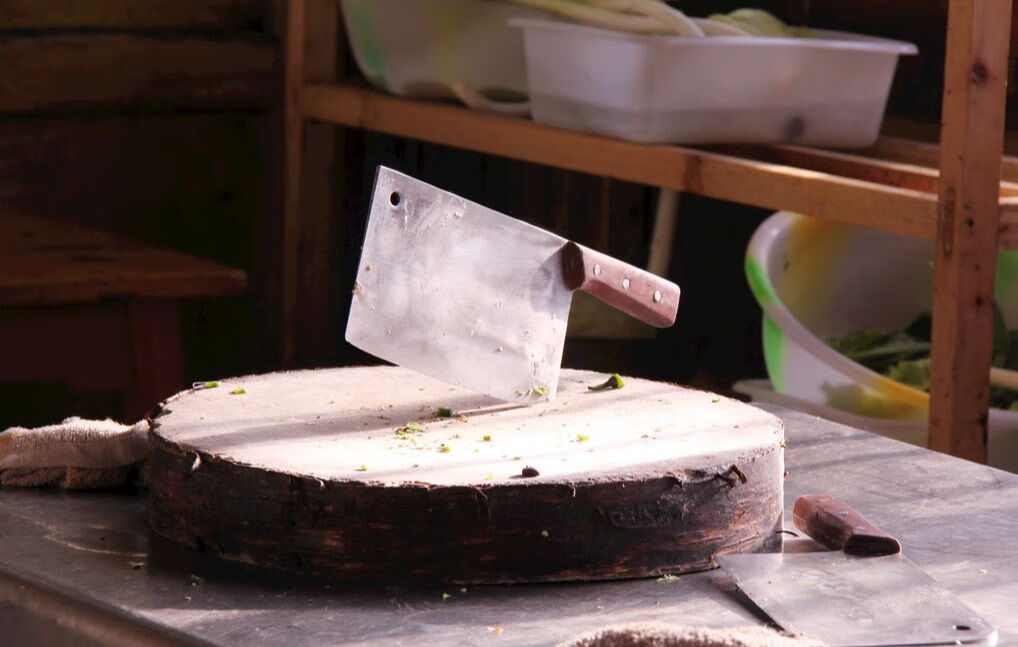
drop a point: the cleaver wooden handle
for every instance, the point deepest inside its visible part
(837, 526)
(638, 293)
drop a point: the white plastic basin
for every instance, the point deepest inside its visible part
(829, 90)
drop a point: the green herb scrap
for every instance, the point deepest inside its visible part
(407, 431)
(238, 391)
(613, 382)
(443, 412)
(532, 392)
(445, 449)
(205, 385)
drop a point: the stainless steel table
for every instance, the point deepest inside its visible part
(77, 568)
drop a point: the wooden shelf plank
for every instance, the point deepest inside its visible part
(759, 183)
(916, 174)
(919, 153)
(46, 262)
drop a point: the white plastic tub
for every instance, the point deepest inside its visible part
(829, 90)
(420, 48)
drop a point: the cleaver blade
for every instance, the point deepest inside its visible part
(863, 594)
(475, 298)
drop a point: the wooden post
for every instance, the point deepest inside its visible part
(309, 232)
(156, 355)
(970, 165)
(296, 23)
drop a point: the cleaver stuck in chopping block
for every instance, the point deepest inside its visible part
(475, 298)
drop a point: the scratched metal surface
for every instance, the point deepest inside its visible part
(956, 520)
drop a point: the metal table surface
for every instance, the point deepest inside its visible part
(76, 568)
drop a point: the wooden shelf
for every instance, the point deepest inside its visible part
(874, 188)
(963, 195)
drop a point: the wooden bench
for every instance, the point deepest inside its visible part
(96, 311)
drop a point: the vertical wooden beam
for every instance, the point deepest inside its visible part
(310, 322)
(156, 355)
(972, 137)
(296, 23)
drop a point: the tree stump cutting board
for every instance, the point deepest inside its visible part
(352, 474)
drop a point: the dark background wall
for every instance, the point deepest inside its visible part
(161, 120)
(158, 119)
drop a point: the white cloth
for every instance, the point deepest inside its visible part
(670, 635)
(75, 454)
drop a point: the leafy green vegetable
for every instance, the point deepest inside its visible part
(238, 391)
(443, 412)
(1001, 338)
(878, 351)
(904, 356)
(914, 372)
(921, 327)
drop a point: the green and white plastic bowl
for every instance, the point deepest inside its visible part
(816, 279)
(421, 48)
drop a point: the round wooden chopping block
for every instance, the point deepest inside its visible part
(355, 474)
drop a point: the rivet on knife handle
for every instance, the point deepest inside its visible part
(837, 526)
(638, 293)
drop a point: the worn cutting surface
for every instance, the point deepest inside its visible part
(957, 521)
(383, 425)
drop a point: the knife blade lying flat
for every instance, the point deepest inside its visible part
(467, 295)
(864, 593)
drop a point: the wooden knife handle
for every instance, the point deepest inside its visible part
(638, 293)
(835, 525)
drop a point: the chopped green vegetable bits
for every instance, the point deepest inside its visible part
(613, 382)
(410, 429)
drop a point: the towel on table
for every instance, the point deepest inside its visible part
(652, 634)
(75, 454)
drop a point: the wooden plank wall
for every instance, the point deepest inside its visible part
(158, 119)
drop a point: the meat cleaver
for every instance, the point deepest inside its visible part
(862, 593)
(470, 296)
